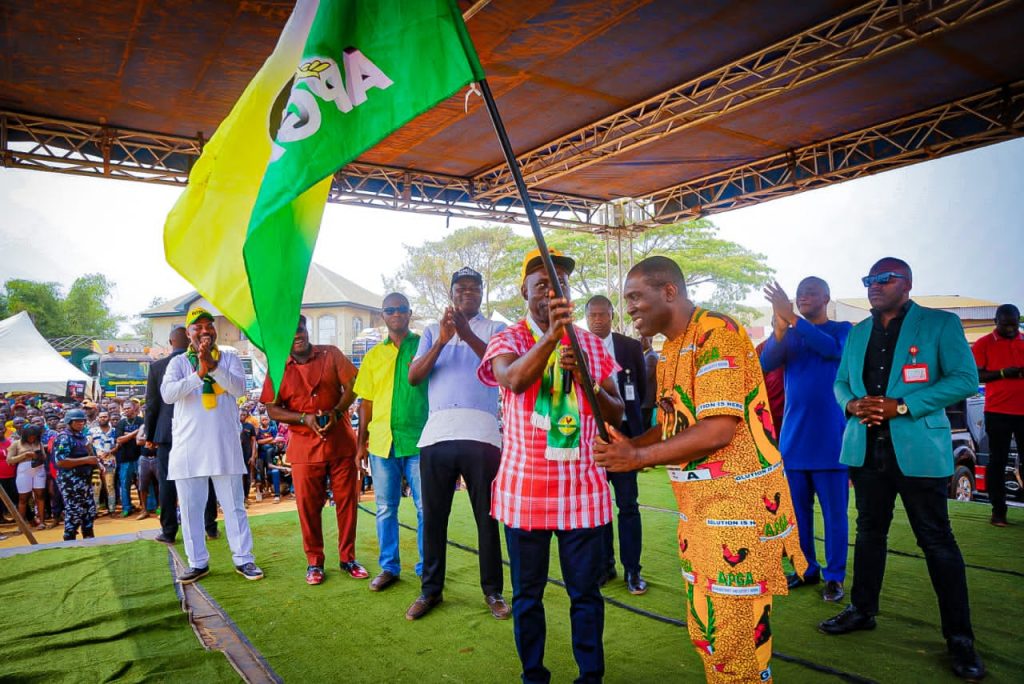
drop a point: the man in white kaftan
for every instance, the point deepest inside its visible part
(203, 384)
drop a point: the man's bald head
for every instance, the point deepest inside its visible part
(657, 271)
(178, 338)
(892, 264)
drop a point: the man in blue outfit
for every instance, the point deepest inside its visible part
(809, 347)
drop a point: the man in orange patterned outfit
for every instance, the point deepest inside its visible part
(715, 434)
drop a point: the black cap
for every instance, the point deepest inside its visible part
(467, 272)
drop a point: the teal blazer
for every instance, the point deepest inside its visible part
(922, 437)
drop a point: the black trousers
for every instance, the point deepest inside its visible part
(580, 557)
(630, 528)
(1001, 427)
(169, 499)
(440, 467)
(875, 488)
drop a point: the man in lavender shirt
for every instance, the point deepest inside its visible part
(461, 437)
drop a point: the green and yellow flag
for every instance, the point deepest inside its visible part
(351, 72)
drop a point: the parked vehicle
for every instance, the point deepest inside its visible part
(971, 454)
(120, 367)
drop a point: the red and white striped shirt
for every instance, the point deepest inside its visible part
(531, 492)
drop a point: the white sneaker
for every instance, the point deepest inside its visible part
(259, 496)
(277, 499)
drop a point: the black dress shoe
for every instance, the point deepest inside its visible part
(794, 580)
(164, 539)
(834, 591)
(850, 620)
(635, 583)
(964, 659)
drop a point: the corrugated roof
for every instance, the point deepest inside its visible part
(557, 67)
(931, 301)
(324, 287)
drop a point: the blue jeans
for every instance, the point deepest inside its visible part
(387, 476)
(126, 475)
(581, 556)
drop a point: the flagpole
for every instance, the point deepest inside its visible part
(549, 265)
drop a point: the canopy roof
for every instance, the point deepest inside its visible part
(623, 112)
(29, 364)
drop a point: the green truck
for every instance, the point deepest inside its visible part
(120, 367)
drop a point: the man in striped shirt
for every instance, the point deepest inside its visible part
(547, 483)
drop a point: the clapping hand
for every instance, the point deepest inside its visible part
(448, 327)
(782, 306)
(206, 361)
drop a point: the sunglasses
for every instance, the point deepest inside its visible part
(881, 278)
(392, 310)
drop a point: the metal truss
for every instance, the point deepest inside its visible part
(993, 116)
(48, 144)
(454, 196)
(989, 117)
(872, 29)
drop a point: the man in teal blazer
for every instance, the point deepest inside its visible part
(900, 369)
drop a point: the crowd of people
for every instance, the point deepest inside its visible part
(126, 467)
(504, 409)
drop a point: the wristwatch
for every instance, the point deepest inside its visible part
(901, 407)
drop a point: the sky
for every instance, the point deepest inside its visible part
(956, 220)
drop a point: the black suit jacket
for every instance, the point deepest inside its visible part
(158, 413)
(630, 356)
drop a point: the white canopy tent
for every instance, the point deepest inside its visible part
(29, 364)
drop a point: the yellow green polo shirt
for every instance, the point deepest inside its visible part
(399, 409)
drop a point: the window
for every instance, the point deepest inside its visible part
(357, 326)
(327, 330)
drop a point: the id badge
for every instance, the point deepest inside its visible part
(630, 390)
(915, 372)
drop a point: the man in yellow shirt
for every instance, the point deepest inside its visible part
(391, 417)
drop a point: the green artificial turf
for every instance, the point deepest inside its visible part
(110, 613)
(97, 614)
(341, 629)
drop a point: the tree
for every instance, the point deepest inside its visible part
(84, 311)
(42, 301)
(724, 271)
(85, 307)
(142, 328)
(494, 252)
(730, 270)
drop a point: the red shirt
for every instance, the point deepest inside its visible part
(993, 352)
(531, 492)
(316, 385)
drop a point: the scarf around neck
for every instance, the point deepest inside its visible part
(210, 387)
(557, 405)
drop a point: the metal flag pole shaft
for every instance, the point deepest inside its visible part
(549, 265)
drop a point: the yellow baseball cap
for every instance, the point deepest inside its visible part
(533, 261)
(195, 313)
